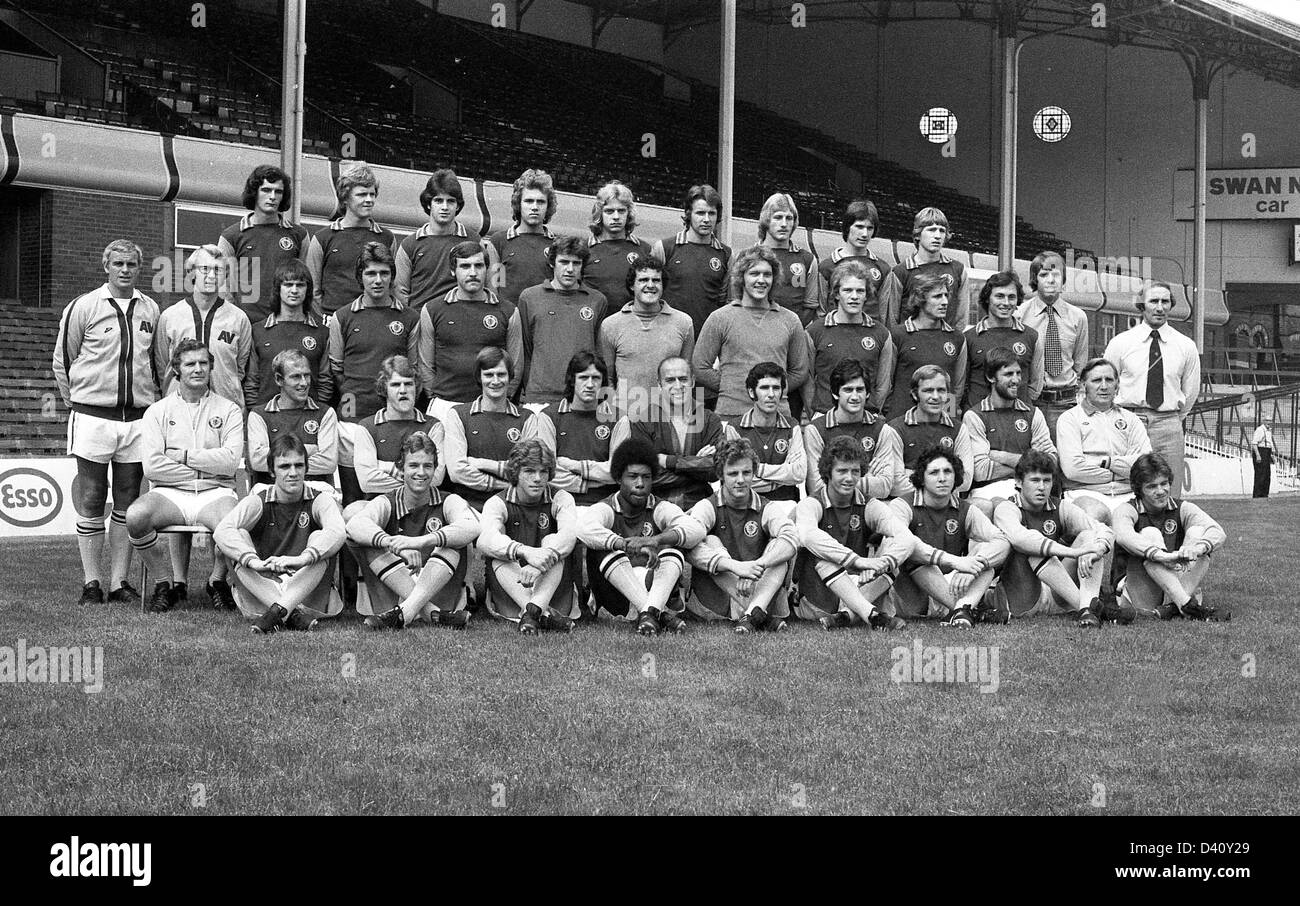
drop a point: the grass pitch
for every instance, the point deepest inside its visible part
(198, 716)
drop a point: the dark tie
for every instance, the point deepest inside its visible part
(1155, 374)
(1053, 359)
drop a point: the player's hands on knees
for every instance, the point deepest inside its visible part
(539, 558)
(968, 566)
(870, 567)
(750, 570)
(413, 558)
(278, 564)
(1087, 562)
(959, 582)
(1189, 552)
(1168, 558)
(528, 576)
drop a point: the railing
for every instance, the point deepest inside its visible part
(1248, 366)
(1226, 424)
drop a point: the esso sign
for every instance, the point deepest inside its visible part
(29, 497)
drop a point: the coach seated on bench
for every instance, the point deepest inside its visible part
(192, 440)
(282, 538)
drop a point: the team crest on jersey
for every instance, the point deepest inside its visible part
(1049, 527)
(855, 522)
(602, 432)
(751, 529)
(1021, 425)
(868, 343)
(586, 313)
(287, 243)
(311, 426)
(309, 343)
(950, 526)
(490, 322)
(631, 257)
(949, 348)
(782, 445)
(1121, 424)
(396, 328)
(1171, 526)
(945, 443)
(513, 434)
(868, 444)
(647, 529)
(796, 268)
(875, 274)
(947, 279)
(1019, 348)
(216, 422)
(303, 520)
(146, 326)
(715, 264)
(543, 521)
(433, 524)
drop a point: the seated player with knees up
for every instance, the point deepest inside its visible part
(293, 411)
(480, 435)
(957, 548)
(578, 430)
(378, 438)
(741, 566)
(527, 534)
(1046, 532)
(905, 437)
(777, 440)
(415, 545)
(850, 417)
(281, 539)
(1164, 546)
(192, 439)
(634, 544)
(852, 546)
(1002, 428)
(1099, 442)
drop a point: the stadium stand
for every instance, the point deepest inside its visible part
(502, 115)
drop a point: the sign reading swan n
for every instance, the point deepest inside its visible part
(1240, 194)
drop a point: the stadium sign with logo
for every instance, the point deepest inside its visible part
(36, 497)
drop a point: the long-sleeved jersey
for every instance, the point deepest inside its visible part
(223, 328)
(316, 426)
(508, 523)
(603, 524)
(949, 529)
(582, 436)
(1033, 532)
(378, 444)
(103, 359)
(1098, 448)
(841, 534)
(782, 461)
(743, 532)
(883, 465)
(264, 524)
(210, 433)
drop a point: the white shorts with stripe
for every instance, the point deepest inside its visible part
(104, 439)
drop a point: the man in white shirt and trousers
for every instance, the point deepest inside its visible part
(1261, 450)
(1159, 376)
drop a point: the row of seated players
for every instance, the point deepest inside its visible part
(851, 558)
(479, 458)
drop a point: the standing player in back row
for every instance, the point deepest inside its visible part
(104, 368)
(925, 338)
(847, 332)
(861, 222)
(362, 335)
(613, 246)
(1000, 328)
(423, 259)
(795, 280)
(553, 321)
(521, 249)
(930, 233)
(456, 327)
(333, 252)
(695, 261)
(258, 243)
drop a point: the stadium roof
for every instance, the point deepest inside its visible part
(1218, 32)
